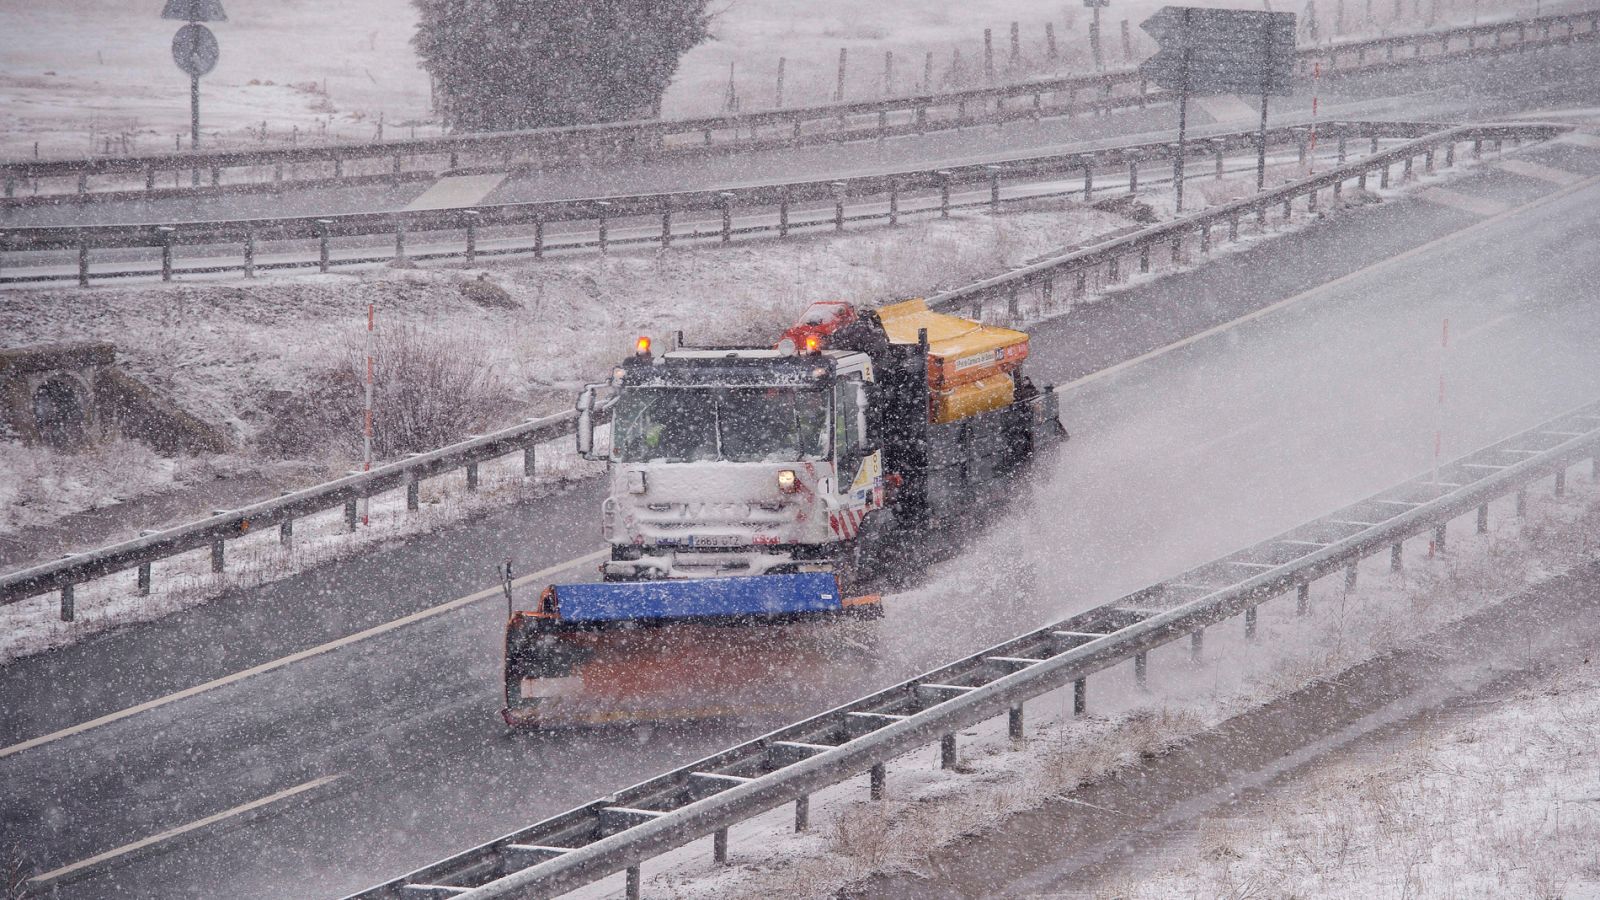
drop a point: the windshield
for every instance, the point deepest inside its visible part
(761, 424)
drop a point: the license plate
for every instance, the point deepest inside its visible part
(537, 688)
(717, 540)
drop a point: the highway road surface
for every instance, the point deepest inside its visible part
(1208, 411)
(1474, 90)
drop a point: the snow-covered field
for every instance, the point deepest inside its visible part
(96, 76)
(1496, 836)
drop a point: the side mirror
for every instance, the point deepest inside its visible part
(866, 420)
(585, 432)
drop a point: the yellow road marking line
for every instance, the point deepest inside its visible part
(171, 833)
(282, 661)
(1325, 287)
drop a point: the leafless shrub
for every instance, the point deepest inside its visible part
(427, 391)
(861, 834)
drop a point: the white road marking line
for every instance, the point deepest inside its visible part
(1478, 206)
(1325, 287)
(1497, 320)
(171, 833)
(282, 661)
(1226, 107)
(454, 191)
(1539, 171)
(1580, 138)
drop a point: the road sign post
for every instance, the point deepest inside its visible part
(195, 51)
(1219, 51)
(1094, 33)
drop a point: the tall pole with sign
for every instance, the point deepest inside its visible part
(195, 51)
(1219, 51)
(1094, 33)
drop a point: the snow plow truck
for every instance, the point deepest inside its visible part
(748, 488)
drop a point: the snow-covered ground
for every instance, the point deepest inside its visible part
(95, 76)
(853, 837)
(1503, 804)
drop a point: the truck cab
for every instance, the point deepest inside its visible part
(736, 461)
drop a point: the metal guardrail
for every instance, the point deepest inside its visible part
(621, 831)
(1042, 276)
(606, 213)
(65, 573)
(825, 123)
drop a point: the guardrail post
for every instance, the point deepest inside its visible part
(1014, 722)
(538, 239)
(286, 532)
(1013, 304)
(994, 187)
(1205, 238)
(277, 178)
(1141, 668)
(1483, 519)
(472, 476)
(1302, 598)
(878, 781)
(1477, 148)
(165, 232)
(725, 200)
(976, 313)
(1233, 228)
(68, 603)
(1361, 181)
(396, 171)
(1144, 260)
(894, 203)
(922, 119)
(1081, 287)
(1427, 161)
(338, 167)
(838, 204)
(216, 176)
(1218, 144)
(602, 206)
(83, 186)
(1261, 217)
(1197, 643)
(1383, 177)
(142, 585)
(1133, 175)
(217, 555)
(1405, 172)
(944, 193)
(783, 214)
(1561, 482)
(632, 889)
(1047, 290)
(471, 216)
(1113, 266)
(249, 252)
(1439, 535)
(527, 462)
(947, 752)
(1522, 503)
(413, 495)
(399, 239)
(1080, 698)
(719, 846)
(1311, 201)
(1300, 139)
(1350, 573)
(802, 813)
(149, 180)
(1450, 155)
(1177, 250)
(322, 245)
(1250, 623)
(1397, 557)
(1288, 209)
(1088, 181)
(350, 514)
(83, 261)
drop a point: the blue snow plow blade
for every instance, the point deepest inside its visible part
(743, 596)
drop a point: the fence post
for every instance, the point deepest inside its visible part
(1141, 669)
(350, 514)
(1250, 623)
(1080, 698)
(249, 252)
(802, 813)
(1133, 174)
(472, 476)
(602, 206)
(838, 204)
(538, 239)
(947, 752)
(1350, 573)
(878, 779)
(725, 200)
(894, 203)
(783, 213)
(1439, 535)
(631, 890)
(1197, 643)
(1014, 722)
(994, 187)
(1219, 143)
(322, 241)
(166, 232)
(1302, 598)
(527, 462)
(1144, 260)
(413, 495)
(217, 557)
(944, 193)
(1233, 228)
(719, 846)
(1483, 519)
(1088, 181)
(1397, 557)
(666, 224)
(471, 216)
(68, 603)
(83, 261)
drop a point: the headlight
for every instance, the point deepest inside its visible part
(786, 480)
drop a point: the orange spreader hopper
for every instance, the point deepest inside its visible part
(970, 364)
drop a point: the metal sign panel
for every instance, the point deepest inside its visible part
(1221, 51)
(195, 50)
